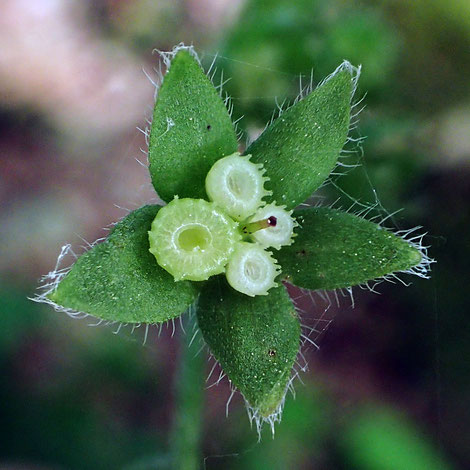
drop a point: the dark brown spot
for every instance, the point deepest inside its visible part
(271, 352)
(302, 253)
(209, 127)
(272, 221)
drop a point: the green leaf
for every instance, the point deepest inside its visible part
(335, 249)
(255, 339)
(300, 148)
(120, 280)
(191, 130)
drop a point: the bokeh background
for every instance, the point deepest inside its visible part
(389, 387)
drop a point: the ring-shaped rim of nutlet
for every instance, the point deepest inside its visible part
(252, 270)
(192, 239)
(277, 235)
(237, 185)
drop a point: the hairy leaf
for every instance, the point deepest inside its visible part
(335, 249)
(191, 129)
(301, 147)
(255, 339)
(120, 280)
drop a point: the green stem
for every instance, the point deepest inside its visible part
(253, 227)
(189, 385)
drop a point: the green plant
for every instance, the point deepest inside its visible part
(255, 337)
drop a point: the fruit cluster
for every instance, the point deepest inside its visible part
(195, 239)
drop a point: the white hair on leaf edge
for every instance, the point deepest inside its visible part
(49, 283)
(166, 59)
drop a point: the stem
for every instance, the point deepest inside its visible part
(187, 428)
(253, 227)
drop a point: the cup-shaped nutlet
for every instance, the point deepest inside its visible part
(192, 239)
(237, 185)
(251, 269)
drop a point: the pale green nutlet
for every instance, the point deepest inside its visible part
(251, 269)
(192, 239)
(237, 185)
(279, 234)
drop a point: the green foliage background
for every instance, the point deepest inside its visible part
(389, 387)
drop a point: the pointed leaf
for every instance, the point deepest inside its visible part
(191, 129)
(120, 280)
(300, 148)
(255, 339)
(335, 249)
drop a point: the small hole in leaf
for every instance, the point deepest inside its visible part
(209, 127)
(272, 352)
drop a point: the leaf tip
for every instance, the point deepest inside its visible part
(271, 404)
(269, 412)
(180, 49)
(345, 68)
(414, 256)
(52, 296)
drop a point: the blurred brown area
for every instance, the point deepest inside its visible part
(72, 94)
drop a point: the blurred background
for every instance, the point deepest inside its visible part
(390, 386)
